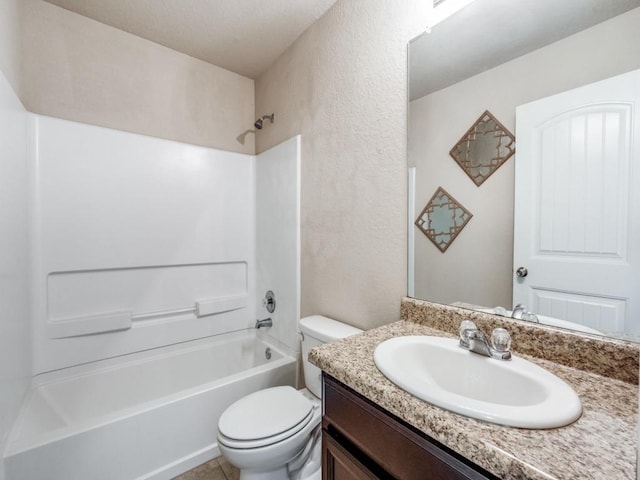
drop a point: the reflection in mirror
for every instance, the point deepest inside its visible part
(460, 70)
(442, 219)
(484, 148)
(532, 317)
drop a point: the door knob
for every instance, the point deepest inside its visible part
(522, 272)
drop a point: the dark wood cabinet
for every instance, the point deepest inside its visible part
(339, 464)
(362, 441)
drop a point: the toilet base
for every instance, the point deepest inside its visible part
(311, 470)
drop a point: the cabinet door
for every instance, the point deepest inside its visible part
(381, 446)
(339, 464)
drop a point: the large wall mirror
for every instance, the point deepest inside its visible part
(507, 57)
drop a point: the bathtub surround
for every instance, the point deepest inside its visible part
(224, 219)
(278, 241)
(15, 348)
(15, 345)
(160, 250)
(601, 444)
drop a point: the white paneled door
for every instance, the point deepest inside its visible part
(577, 205)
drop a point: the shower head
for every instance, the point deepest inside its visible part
(258, 122)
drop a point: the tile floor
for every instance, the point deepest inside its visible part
(216, 469)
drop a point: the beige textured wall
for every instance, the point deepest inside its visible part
(79, 69)
(477, 267)
(10, 59)
(343, 86)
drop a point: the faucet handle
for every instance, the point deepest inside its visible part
(466, 325)
(501, 340)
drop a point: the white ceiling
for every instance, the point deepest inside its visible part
(244, 36)
(487, 33)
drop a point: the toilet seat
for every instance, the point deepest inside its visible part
(264, 418)
(265, 441)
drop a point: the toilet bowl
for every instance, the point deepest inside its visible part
(274, 434)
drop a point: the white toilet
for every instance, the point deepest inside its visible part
(274, 434)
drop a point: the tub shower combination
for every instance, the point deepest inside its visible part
(151, 415)
(144, 306)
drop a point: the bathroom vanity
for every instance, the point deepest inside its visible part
(374, 429)
(361, 440)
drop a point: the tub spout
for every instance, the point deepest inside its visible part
(267, 322)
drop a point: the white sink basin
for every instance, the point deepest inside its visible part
(515, 392)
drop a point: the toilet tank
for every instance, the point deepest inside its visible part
(318, 330)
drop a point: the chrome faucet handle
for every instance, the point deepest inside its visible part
(501, 340)
(466, 326)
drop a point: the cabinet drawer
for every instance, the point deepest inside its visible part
(395, 447)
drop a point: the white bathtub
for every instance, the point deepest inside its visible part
(149, 415)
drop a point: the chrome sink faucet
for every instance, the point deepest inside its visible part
(520, 313)
(475, 341)
(518, 310)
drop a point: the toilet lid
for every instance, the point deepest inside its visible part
(264, 414)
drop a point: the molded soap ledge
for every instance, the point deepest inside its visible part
(221, 305)
(89, 325)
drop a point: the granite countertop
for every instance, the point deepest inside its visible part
(599, 445)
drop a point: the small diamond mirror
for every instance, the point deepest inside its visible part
(484, 148)
(442, 219)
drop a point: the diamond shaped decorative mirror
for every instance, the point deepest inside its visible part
(442, 219)
(484, 148)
